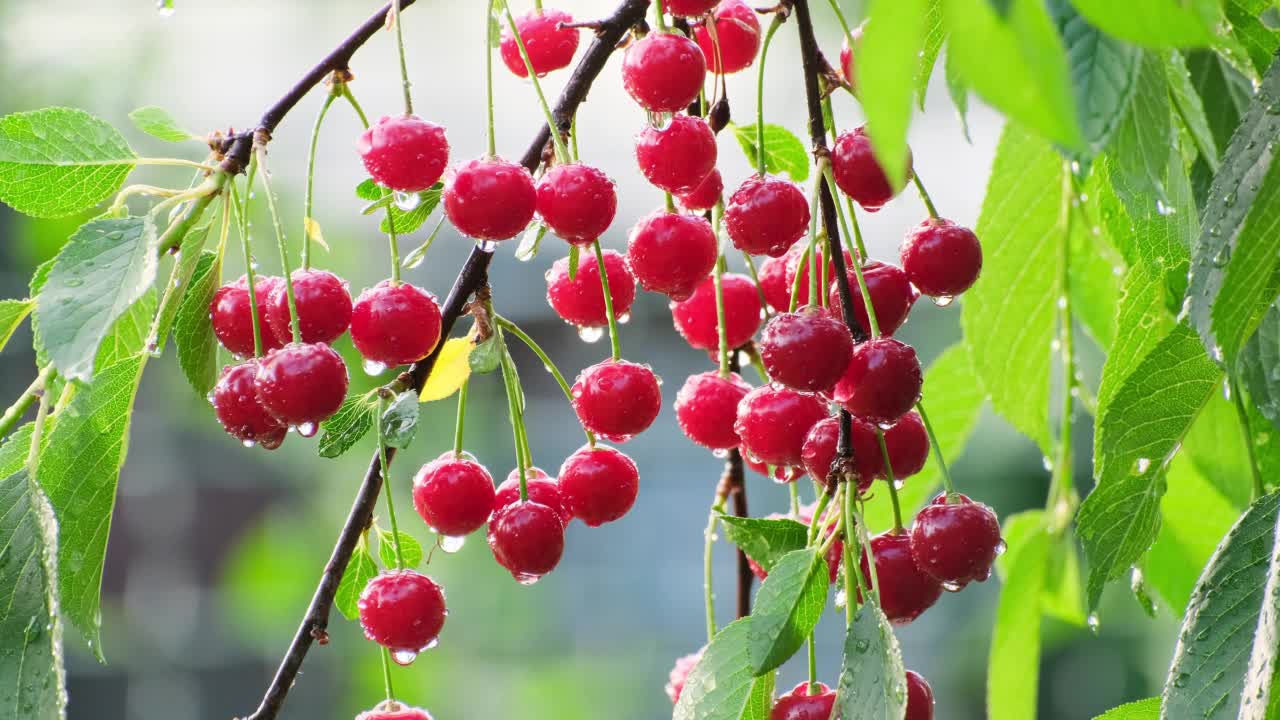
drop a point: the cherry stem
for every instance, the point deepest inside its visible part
(250, 273)
(37, 432)
(669, 201)
(947, 481)
(858, 262)
(307, 219)
(717, 278)
(404, 66)
(488, 81)
(614, 342)
(755, 279)
(386, 479)
(823, 500)
(924, 195)
(852, 568)
(794, 493)
(557, 140)
(283, 245)
(761, 165)
(893, 483)
(461, 419)
(660, 21)
(393, 238)
(386, 673)
(515, 408)
(524, 337)
(708, 556)
(813, 665)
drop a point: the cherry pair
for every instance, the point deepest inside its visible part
(295, 386)
(818, 702)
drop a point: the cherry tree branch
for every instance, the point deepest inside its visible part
(471, 278)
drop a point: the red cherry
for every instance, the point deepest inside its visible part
(392, 710)
(671, 253)
(542, 490)
(919, 698)
(550, 46)
(689, 8)
(395, 325)
(678, 157)
(774, 284)
(527, 538)
(956, 543)
(773, 422)
(232, 317)
(847, 56)
(806, 350)
(737, 39)
(705, 196)
(799, 704)
(780, 474)
(324, 307)
(908, 445)
(905, 590)
(302, 385)
(891, 295)
(696, 319)
(404, 152)
(941, 258)
(663, 72)
(707, 406)
(235, 402)
(578, 202)
(490, 198)
(402, 611)
(599, 484)
(453, 494)
(795, 267)
(859, 174)
(617, 399)
(580, 301)
(766, 215)
(882, 382)
(819, 450)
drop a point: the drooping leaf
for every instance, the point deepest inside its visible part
(1104, 72)
(352, 422)
(1015, 643)
(723, 685)
(787, 607)
(102, 270)
(190, 252)
(1256, 40)
(888, 57)
(764, 540)
(1260, 366)
(60, 161)
(158, 123)
(400, 420)
(958, 90)
(935, 34)
(783, 151)
(369, 190)
(1145, 134)
(193, 330)
(1148, 709)
(12, 313)
(1216, 447)
(486, 356)
(1155, 23)
(450, 371)
(1190, 107)
(872, 683)
(128, 336)
(531, 241)
(410, 549)
(360, 570)
(1223, 91)
(1225, 661)
(1062, 595)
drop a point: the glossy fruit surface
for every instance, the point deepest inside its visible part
(599, 484)
(679, 157)
(324, 307)
(616, 399)
(404, 152)
(578, 202)
(766, 215)
(453, 494)
(696, 319)
(822, 440)
(919, 698)
(905, 590)
(956, 543)
(858, 173)
(941, 258)
(542, 489)
(550, 47)
(774, 285)
(392, 710)
(663, 72)
(302, 385)
(232, 318)
(689, 8)
(705, 195)
(707, 406)
(489, 198)
(679, 674)
(806, 350)
(737, 38)
(671, 253)
(882, 382)
(773, 422)
(235, 402)
(402, 611)
(908, 445)
(580, 301)
(891, 295)
(527, 538)
(395, 324)
(799, 704)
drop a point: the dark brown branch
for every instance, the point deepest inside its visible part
(736, 472)
(471, 278)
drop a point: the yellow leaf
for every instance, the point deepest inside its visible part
(451, 370)
(314, 232)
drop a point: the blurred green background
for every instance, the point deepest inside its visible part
(216, 550)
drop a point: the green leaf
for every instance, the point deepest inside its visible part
(1233, 278)
(352, 422)
(1148, 709)
(486, 356)
(1139, 429)
(935, 35)
(79, 468)
(12, 313)
(410, 548)
(787, 607)
(764, 540)
(873, 684)
(158, 123)
(360, 570)
(407, 221)
(1015, 642)
(1010, 316)
(32, 678)
(531, 241)
(1225, 661)
(400, 420)
(1142, 141)
(1142, 322)
(1062, 595)
(102, 270)
(1257, 40)
(783, 151)
(60, 161)
(575, 257)
(1030, 82)
(1260, 366)
(1190, 107)
(370, 190)
(723, 686)
(1104, 72)
(888, 61)
(193, 331)
(1155, 23)
(958, 90)
(190, 252)
(1224, 92)
(1096, 274)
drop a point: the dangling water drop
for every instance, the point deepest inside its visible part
(527, 578)
(943, 300)
(373, 367)
(406, 201)
(249, 443)
(308, 429)
(590, 334)
(404, 657)
(452, 543)
(487, 245)
(624, 318)
(1094, 623)
(841, 598)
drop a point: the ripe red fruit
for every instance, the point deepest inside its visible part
(302, 385)
(580, 301)
(859, 174)
(956, 543)
(848, 56)
(235, 402)
(707, 406)
(698, 323)
(578, 202)
(773, 422)
(800, 705)
(941, 258)
(453, 494)
(806, 350)
(905, 590)
(599, 484)
(395, 324)
(891, 295)
(671, 253)
(678, 157)
(403, 611)
(705, 195)
(766, 215)
(527, 538)
(232, 317)
(689, 8)
(819, 450)
(663, 72)
(404, 152)
(490, 198)
(542, 490)
(908, 445)
(680, 673)
(737, 38)
(919, 698)
(324, 307)
(780, 474)
(616, 399)
(774, 284)
(550, 47)
(392, 710)
(882, 382)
